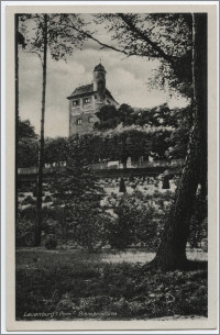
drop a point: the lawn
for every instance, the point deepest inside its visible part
(73, 284)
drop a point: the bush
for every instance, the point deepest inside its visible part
(166, 183)
(90, 232)
(48, 199)
(122, 187)
(121, 231)
(168, 196)
(50, 242)
(136, 223)
(24, 233)
(113, 195)
(28, 201)
(138, 194)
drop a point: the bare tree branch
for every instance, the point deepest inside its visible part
(104, 45)
(144, 37)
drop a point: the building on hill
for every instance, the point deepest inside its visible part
(86, 100)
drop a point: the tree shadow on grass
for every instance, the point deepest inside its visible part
(188, 265)
(195, 265)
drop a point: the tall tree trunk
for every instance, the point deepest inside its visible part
(16, 70)
(38, 227)
(172, 251)
(201, 92)
(16, 102)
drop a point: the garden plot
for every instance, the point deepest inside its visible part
(143, 206)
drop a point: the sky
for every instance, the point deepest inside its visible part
(126, 78)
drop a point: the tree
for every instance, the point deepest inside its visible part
(48, 34)
(126, 114)
(41, 158)
(25, 129)
(19, 41)
(118, 144)
(109, 118)
(121, 230)
(180, 42)
(179, 136)
(27, 145)
(27, 153)
(55, 150)
(78, 197)
(172, 253)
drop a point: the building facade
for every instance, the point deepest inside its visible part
(86, 100)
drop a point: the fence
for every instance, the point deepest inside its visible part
(108, 170)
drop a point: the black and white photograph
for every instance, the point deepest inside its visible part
(111, 161)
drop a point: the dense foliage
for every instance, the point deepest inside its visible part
(109, 118)
(77, 198)
(27, 145)
(159, 132)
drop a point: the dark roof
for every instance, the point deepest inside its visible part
(81, 90)
(109, 94)
(99, 67)
(87, 89)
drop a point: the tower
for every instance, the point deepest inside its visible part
(99, 80)
(85, 101)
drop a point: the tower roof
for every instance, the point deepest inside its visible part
(99, 67)
(86, 89)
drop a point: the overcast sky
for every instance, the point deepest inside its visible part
(126, 79)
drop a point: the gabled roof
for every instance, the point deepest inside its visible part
(87, 89)
(81, 91)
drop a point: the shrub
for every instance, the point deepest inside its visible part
(122, 187)
(168, 196)
(48, 199)
(24, 233)
(166, 183)
(28, 201)
(146, 228)
(50, 242)
(139, 195)
(121, 231)
(113, 195)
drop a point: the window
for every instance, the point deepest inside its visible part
(79, 121)
(87, 100)
(75, 103)
(95, 96)
(91, 119)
